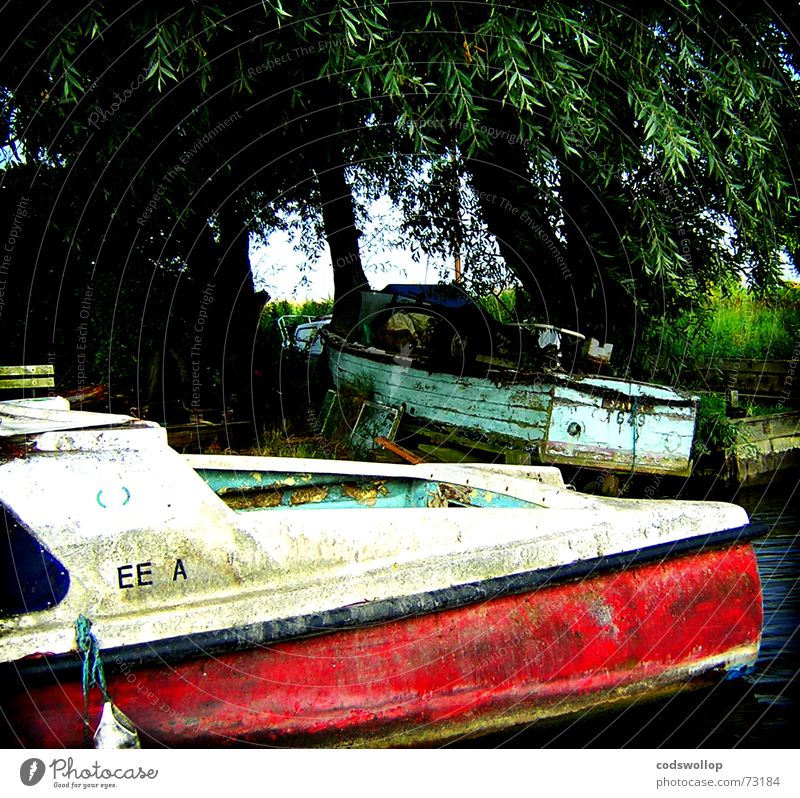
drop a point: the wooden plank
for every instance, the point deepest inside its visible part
(327, 418)
(518, 457)
(785, 398)
(400, 451)
(19, 371)
(35, 416)
(205, 434)
(752, 366)
(28, 382)
(754, 378)
(15, 377)
(511, 411)
(34, 407)
(440, 437)
(777, 425)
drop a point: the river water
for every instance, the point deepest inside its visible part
(759, 710)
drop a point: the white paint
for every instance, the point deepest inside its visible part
(249, 567)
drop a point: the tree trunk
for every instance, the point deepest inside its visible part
(235, 305)
(560, 270)
(594, 220)
(515, 213)
(339, 218)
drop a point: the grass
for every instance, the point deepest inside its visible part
(277, 443)
(284, 307)
(500, 308)
(732, 325)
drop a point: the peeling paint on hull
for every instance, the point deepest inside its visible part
(599, 642)
(598, 422)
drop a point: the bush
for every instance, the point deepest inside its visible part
(730, 324)
(715, 432)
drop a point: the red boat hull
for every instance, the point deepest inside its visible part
(605, 640)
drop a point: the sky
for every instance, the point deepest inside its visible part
(278, 267)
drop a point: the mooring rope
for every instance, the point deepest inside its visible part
(93, 673)
(635, 424)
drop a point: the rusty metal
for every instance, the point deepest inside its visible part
(311, 495)
(399, 450)
(365, 492)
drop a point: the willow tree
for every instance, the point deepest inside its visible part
(621, 157)
(152, 148)
(625, 158)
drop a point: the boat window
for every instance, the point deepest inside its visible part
(31, 578)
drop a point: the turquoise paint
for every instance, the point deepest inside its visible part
(604, 422)
(510, 411)
(649, 431)
(339, 492)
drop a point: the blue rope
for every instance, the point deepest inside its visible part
(634, 420)
(93, 673)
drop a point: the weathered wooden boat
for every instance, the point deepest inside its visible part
(768, 449)
(415, 348)
(410, 604)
